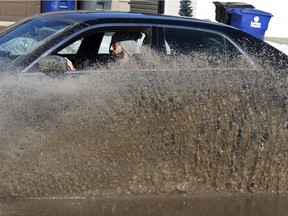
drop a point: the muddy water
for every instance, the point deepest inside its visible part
(144, 134)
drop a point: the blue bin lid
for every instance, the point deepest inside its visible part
(252, 11)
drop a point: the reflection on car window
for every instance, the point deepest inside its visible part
(72, 48)
(105, 43)
(28, 36)
(214, 50)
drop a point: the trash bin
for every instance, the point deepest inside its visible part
(222, 15)
(57, 5)
(250, 20)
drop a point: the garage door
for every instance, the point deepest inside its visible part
(16, 10)
(148, 6)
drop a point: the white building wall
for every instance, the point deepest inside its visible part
(172, 7)
(120, 5)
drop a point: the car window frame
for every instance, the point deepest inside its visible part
(94, 28)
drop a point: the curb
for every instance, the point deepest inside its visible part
(277, 40)
(6, 23)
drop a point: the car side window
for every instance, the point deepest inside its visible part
(186, 42)
(213, 49)
(105, 42)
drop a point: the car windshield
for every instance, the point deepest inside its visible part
(26, 37)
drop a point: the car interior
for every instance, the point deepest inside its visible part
(92, 50)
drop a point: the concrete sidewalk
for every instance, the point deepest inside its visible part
(4, 24)
(277, 40)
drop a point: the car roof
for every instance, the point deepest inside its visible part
(94, 17)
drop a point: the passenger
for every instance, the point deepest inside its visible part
(123, 46)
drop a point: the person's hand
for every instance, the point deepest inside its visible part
(70, 64)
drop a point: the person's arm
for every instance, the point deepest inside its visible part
(70, 64)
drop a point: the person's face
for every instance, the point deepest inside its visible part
(115, 48)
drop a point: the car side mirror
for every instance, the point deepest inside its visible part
(53, 64)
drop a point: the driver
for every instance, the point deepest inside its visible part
(123, 47)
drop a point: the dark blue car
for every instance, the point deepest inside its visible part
(85, 37)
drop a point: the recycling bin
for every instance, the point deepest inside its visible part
(250, 20)
(57, 5)
(221, 11)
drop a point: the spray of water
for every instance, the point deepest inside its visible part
(143, 132)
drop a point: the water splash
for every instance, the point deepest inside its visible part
(143, 132)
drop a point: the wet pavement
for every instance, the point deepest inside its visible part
(213, 204)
